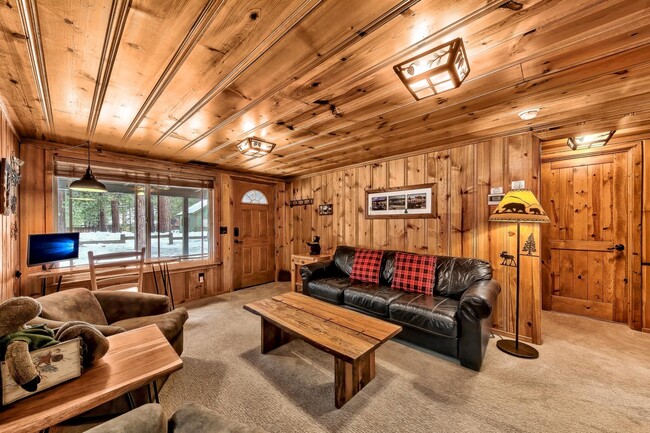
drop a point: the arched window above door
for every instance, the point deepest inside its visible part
(254, 197)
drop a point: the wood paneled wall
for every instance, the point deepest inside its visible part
(645, 237)
(463, 177)
(37, 217)
(9, 253)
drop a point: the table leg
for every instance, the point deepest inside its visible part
(58, 284)
(349, 378)
(293, 277)
(272, 336)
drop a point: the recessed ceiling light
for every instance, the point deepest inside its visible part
(529, 114)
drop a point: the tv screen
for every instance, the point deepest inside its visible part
(52, 247)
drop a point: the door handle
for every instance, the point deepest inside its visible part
(237, 241)
(617, 247)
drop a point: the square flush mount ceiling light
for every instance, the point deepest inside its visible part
(255, 147)
(435, 71)
(589, 141)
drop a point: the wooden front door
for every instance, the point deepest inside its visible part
(588, 244)
(253, 234)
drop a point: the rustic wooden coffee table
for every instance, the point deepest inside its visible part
(351, 337)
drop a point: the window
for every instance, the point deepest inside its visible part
(171, 221)
(254, 197)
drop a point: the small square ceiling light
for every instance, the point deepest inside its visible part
(589, 141)
(255, 147)
(435, 71)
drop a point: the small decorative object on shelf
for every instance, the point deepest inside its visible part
(301, 202)
(315, 246)
(325, 209)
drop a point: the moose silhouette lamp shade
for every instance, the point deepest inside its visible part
(518, 206)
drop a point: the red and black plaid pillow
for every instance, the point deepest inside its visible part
(366, 266)
(414, 273)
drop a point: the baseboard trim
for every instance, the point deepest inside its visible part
(512, 335)
(645, 330)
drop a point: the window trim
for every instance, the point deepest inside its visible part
(175, 262)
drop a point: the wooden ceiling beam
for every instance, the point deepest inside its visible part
(544, 43)
(512, 99)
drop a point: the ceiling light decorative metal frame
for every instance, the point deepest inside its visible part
(255, 147)
(589, 141)
(435, 71)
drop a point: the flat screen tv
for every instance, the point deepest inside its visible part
(49, 248)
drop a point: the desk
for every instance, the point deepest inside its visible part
(135, 358)
(297, 260)
(57, 272)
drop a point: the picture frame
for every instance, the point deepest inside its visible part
(413, 201)
(325, 209)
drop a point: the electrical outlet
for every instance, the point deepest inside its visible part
(519, 184)
(201, 277)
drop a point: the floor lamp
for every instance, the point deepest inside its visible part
(520, 206)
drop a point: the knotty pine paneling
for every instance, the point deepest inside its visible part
(463, 177)
(37, 217)
(645, 225)
(9, 263)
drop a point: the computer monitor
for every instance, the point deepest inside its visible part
(43, 249)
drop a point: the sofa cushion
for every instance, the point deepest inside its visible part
(367, 265)
(328, 289)
(371, 298)
(431, 313)
(73, 304)
(170, 324)
(455, 274)
(414, 273)
(344, 258)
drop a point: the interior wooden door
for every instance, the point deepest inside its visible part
(587, 243)
(253, 234)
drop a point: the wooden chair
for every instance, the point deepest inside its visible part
(117, 271)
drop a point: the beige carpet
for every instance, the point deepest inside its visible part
(591, 376)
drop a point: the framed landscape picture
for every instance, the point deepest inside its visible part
(414, 201)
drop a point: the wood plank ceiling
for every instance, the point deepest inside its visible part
(188, 80)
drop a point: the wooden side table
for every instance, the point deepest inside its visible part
(135, 358)
(297, 260)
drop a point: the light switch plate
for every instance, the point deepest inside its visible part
(519, 184)
(496, 190)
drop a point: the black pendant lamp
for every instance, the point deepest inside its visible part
(88, 182)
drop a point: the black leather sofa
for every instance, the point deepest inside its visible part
(454, 321)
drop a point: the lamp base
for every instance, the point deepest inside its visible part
(521, 350)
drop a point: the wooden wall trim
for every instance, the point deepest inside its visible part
(100, 155)
(307, 7)
(196, 32)
(4, 112)
(29, 17)
(117, 21)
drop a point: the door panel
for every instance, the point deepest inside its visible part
(254, 261)
(586, 199)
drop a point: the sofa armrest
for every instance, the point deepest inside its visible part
(317, 270)
(479, 299)
(119, 305)
(149, 418)
(106, 330)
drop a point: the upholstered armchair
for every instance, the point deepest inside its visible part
(190, 418)
(114, 311)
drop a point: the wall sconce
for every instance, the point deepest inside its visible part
(255, 147)
(435, 71)
(589, 141)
